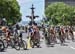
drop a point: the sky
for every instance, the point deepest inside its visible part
(25, 6)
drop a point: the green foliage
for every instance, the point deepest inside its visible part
(10, 10)
(61, 13)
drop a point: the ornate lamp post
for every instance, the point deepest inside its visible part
(51, 20)
(32, 17)
(4, 21)
(63, 17)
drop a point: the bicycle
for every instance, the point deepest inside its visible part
(8, 41)
(19, 43)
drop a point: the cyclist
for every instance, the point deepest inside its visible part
(61, 36)
(71, 33)
(7, 34)
(15, 33)
(52, 35)
(66, 33)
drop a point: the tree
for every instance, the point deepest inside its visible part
(60, 13)
(10, 10)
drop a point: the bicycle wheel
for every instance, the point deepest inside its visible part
(5, 43)
(1, 46)
(24, 45)
(17, 46)
(32, 43)
(12, 43)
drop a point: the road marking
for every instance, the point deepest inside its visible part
(72, 48)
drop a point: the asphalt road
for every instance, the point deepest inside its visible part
(57, 49)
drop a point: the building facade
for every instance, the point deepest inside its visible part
(69, 2)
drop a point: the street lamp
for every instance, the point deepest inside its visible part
(51, 21)
(63, 17)
(32, 17)
(4, 21)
